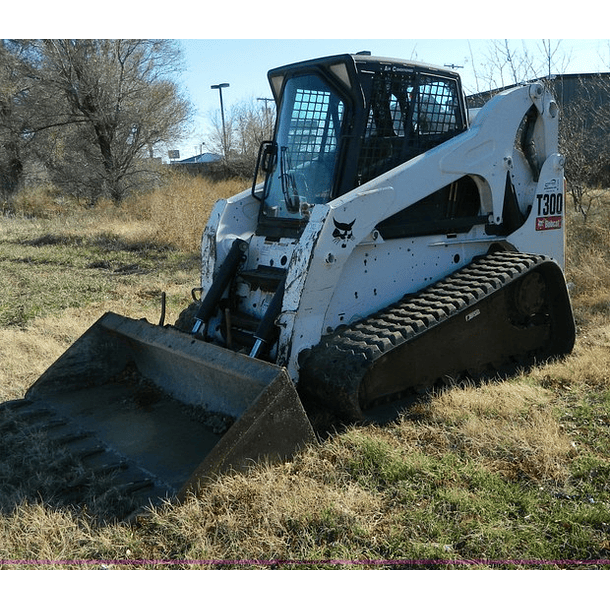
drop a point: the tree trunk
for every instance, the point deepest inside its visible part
(11, 171)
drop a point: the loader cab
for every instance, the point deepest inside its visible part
(342, 121)
(316, 102)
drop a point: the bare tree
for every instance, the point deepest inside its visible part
(14, 117)
(502, 65)
(120, 91)
(100, 106)
(583, 134)
(554, 58)
(254, 123)
(217, 141)
(247, 124)
(507, 63)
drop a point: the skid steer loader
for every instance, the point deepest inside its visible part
(389, 241)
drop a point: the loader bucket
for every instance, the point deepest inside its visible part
(168, 410)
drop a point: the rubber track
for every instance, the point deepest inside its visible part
(335, 367)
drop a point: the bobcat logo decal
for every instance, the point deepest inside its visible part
(343, 232)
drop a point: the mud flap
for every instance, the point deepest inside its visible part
(149, 394)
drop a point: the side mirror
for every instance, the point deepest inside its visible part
(267, 159)
(269, 156)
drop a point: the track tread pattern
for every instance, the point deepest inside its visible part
(339, 362)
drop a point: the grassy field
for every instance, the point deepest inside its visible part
(511, 474)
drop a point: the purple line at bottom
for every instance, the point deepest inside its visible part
(307, 562)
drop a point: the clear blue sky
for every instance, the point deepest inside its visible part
(243, 63)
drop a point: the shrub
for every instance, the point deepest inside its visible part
(179, 209)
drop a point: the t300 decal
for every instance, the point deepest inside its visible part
(549, 208)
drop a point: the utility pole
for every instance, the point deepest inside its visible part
(265, 99)
(268, 124)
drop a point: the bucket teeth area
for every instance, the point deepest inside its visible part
(133, 414)
(51, 459)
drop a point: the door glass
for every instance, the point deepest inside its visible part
(307, 140)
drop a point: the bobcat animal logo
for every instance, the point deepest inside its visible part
(343, 232)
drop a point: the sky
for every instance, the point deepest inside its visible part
(243, 63)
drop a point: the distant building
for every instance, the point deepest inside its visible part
(202, 158)
(204, 164)
(568, 89)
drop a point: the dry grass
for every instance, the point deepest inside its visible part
(300, 509)
(120, 259)
(173, 214)
(506, 470)
(509, 427)
(588, 264)
(179, 210)
(27, 352)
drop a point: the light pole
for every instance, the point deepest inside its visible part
(220, 87)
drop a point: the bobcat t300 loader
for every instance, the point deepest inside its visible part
(389, 241)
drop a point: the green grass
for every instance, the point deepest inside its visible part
(50, 272)
(453, 508)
